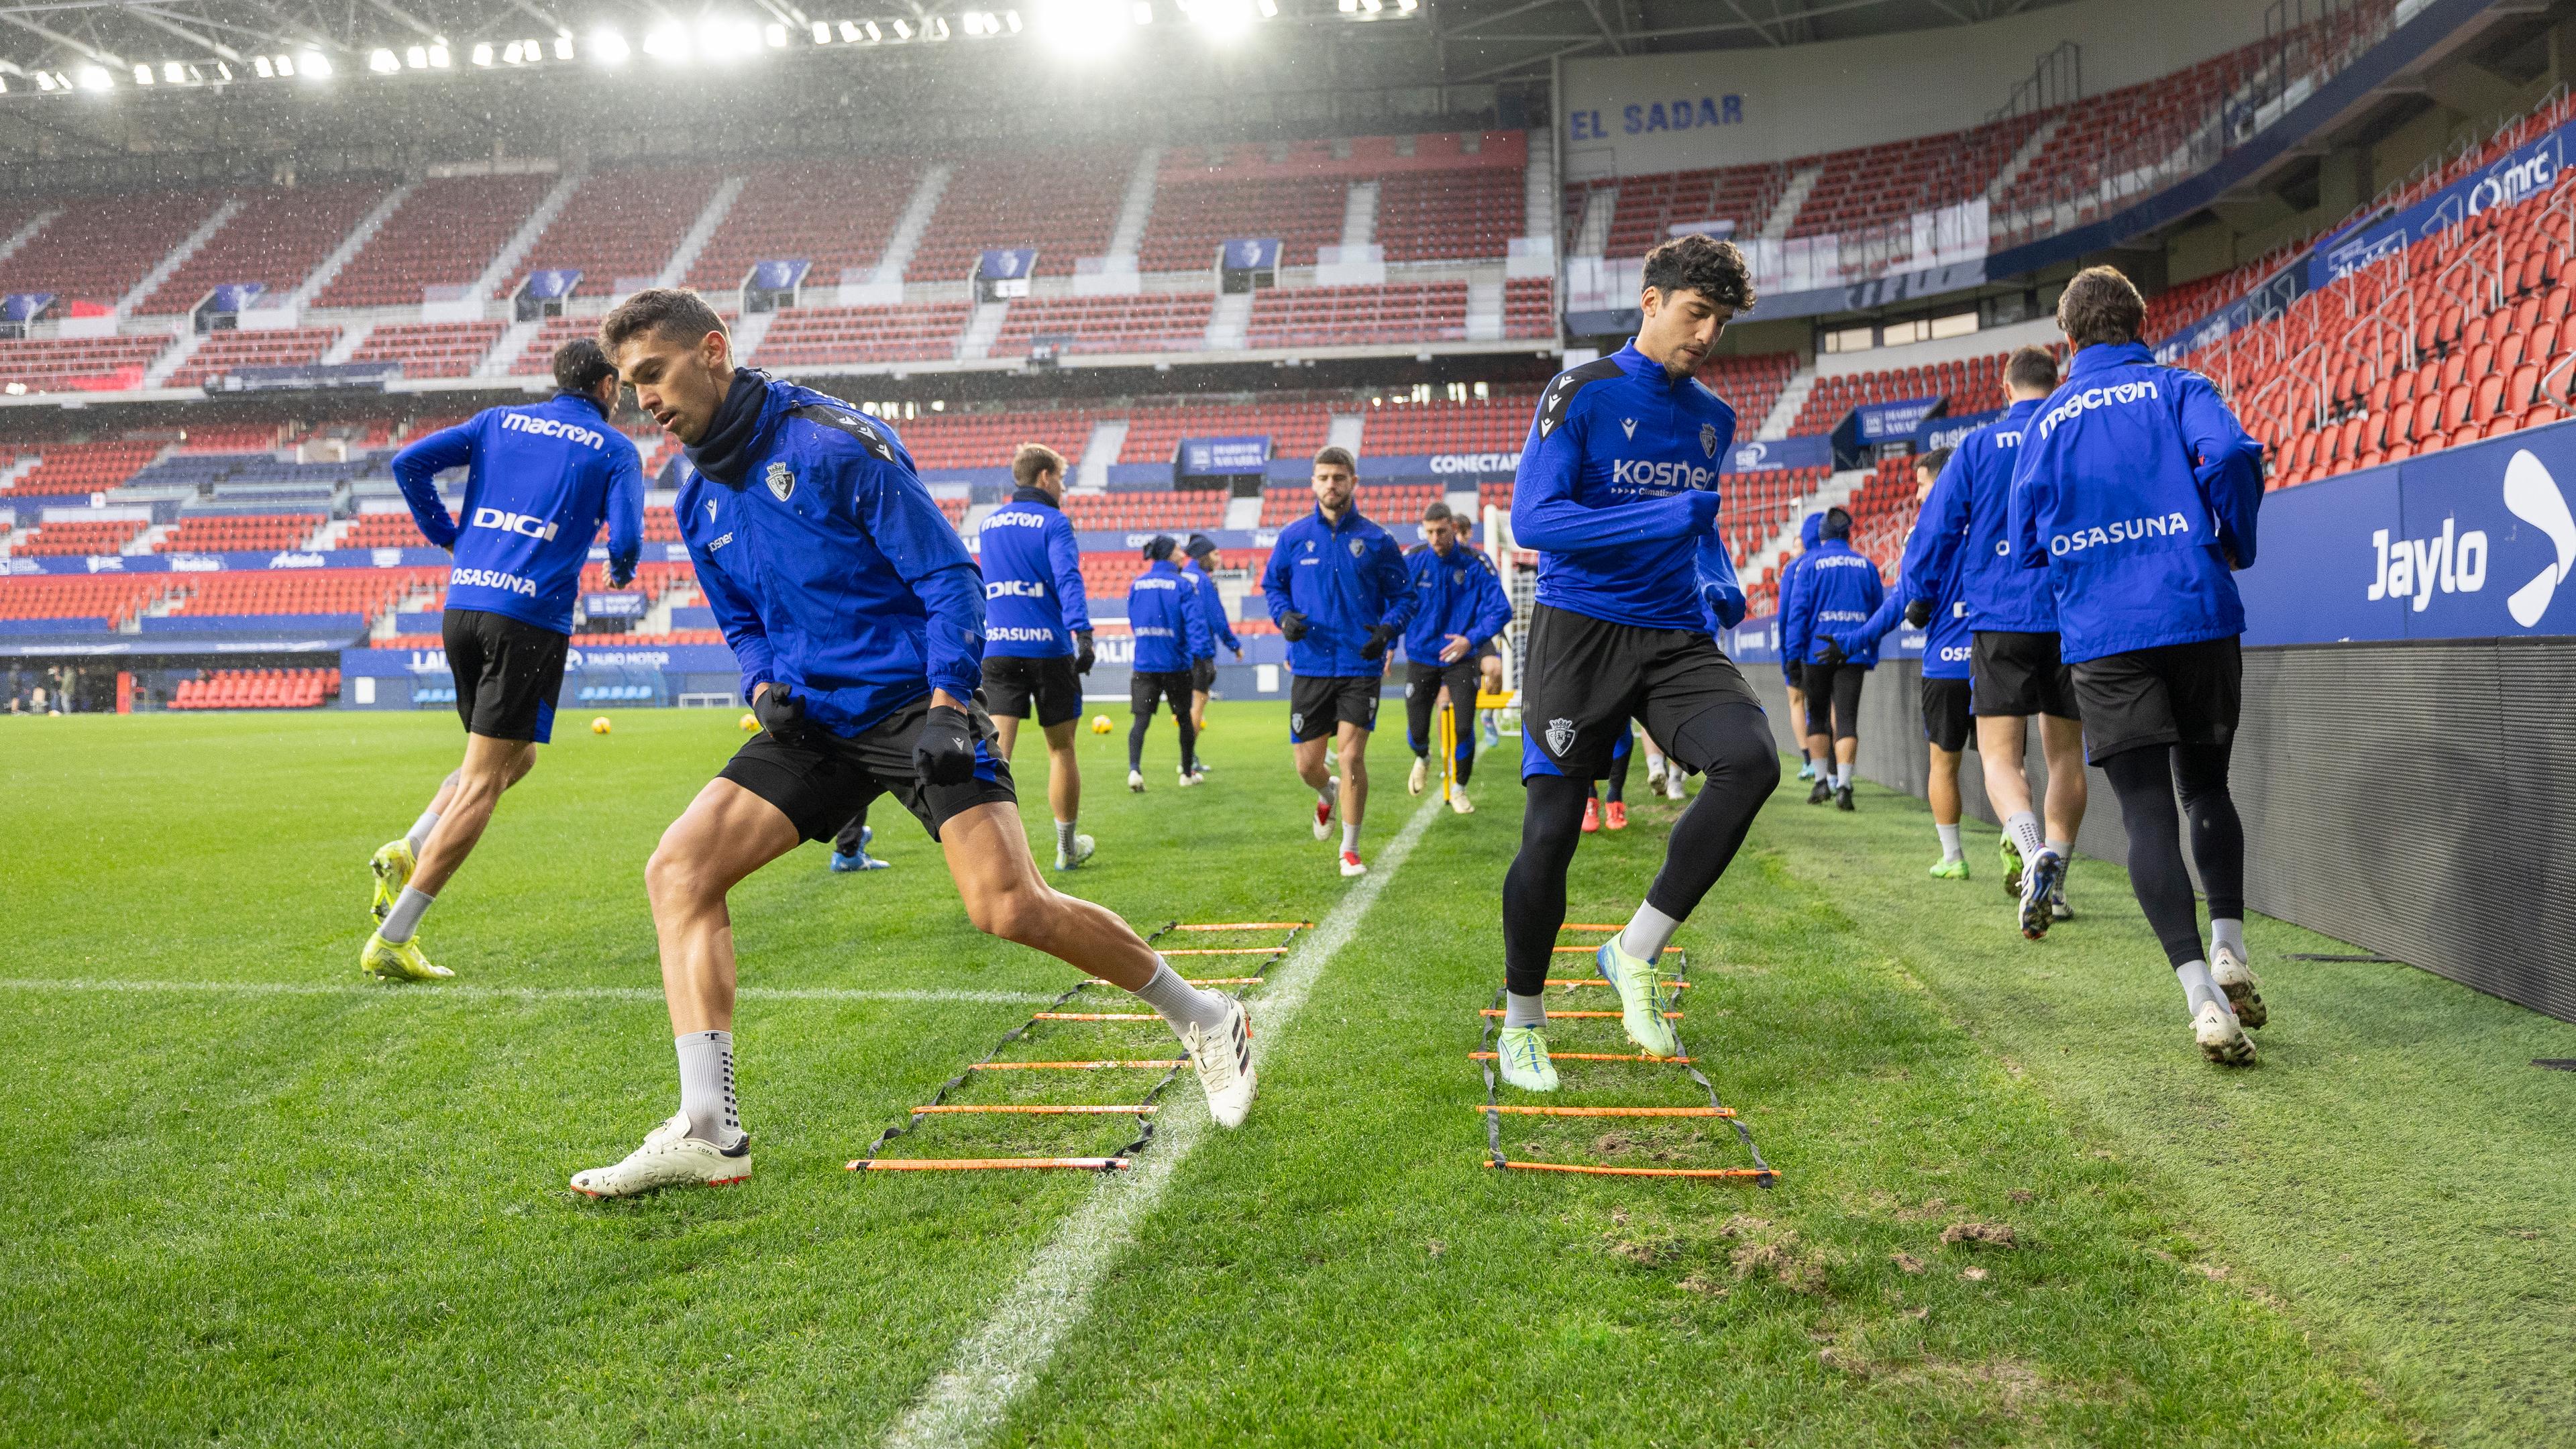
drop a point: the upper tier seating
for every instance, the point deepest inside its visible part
(430, 349)
(101, 246)
(1529, 307)
(1750, 383)
(1178, 514)
(619, 225)
(1149, 322)
(1973, 386)
(1352, 316)
(1194, 217)
(810, 338)
(87, 536)
(223, 352)
(384, 530)
(987, 440)
(69, 364)
(1064, 203)
(776, 219)
(280, 235)
(110, 598)
(1425, 216)
(444, 234)
(366, 592)
(229, 438)
(1497, 425)
(240, 532)
(1396, 507)
(83, 467)
(1647, 207)
(1872, 184)
(1153, 432)
(1882, 511)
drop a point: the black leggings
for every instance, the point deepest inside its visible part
(1730, 742)
(2148, 781)
(1619, 763)
(1189, 738)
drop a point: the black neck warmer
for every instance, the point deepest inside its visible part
(1031, 494)
(724, 454)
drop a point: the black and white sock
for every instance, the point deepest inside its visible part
(2023, 827)
(1064, 845)
(706, 1087)
(1181, 1004)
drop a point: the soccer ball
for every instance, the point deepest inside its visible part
(599, 726)
(750, 722)
(1100, 724)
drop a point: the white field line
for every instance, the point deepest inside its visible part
(431, 992)
(1012, 1347)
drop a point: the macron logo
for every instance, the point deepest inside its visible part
(2535, 498)
(551, 428)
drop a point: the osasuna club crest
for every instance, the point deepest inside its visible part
(1297, 724)
(1358, 547)
(1560, 734)
(782, 481)
(1708, 439)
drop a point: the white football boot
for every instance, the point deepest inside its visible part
(2221, 1039)
(670, 1157)
(1224, 1061)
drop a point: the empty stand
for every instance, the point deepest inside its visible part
(1355, 316)
(1396, 507)
(619, 224)
(1750, 384)
(88, 536)
(229, 438)
(1153, 432)
(1178, 514)
(78, 364)
(1149, 322)
(1194, 215)
(814, 337)
(83, 467)
(389, 530)
(986, 440)
(225, 352)
(1646, 208)
(102, 245)
(365, 592)
(1870, 185)
(1497, 425)
(444, 234)
(110, 599)
(240, 532)
(1064, 203)
(1973, 386)
(430, 349)
(1455, 215)
(280, 235)
(777, 218)
(1529, 307)
(257, 689)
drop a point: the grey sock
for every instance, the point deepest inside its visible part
(2065, 848)
(418, 835)
(2197, 987)
(1951, 849)
(2023, 827)
(1064, 838)
(706, 1087)
(1648, 933)
(2228, 933)
(1519, 1010)
(1181, 1004)
(404, 918)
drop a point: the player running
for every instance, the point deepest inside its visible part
(1037, 632)
(1837, 592)
(1458, 601)
(1337, 587)
(1810, 533)
(2014, 662)
(1927, 597)
(1171, 629)
(2137, 491)
(1617, 491)
(540, 478)
(858, 620)
(1202, 560)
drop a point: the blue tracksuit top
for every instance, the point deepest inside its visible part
(1721, 593)
(2137, 491)
(828, 566)
(1454, 593)
(539, 480)
(1170, 625)
(1033, 597)
(1617, 490)
(1345, 578)
(1810, 533)
(1946, 641)
(1969, 513)
(1837, 596)
(1212, 603)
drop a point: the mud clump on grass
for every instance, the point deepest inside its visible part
(1991, 1235)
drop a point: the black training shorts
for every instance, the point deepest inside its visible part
(1013, 685)
(1319, 704)
(1585, 678)
(824, 779)
(507, 674)
(2019, 674)
(1147, 686)
(1203, 673)
(1946, 721)
(2179, 694)
(1833, 698)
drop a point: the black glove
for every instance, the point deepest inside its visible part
(781, 713)
(1833, 651)
(1083, 655)
(1292, 626)
(1380, 635)
(620, 575)
(1919, 613)
(944, 753)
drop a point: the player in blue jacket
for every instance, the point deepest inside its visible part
(2137, 491)
(1037, 631)
(1618, 493)
(2014, 668)
(540, 478)
(1171, 630)
(1810, 533)
(1927, 597)
(1199, 570)
(1838, 592)
(858, 619)
(1339, 592)
(1458, 604)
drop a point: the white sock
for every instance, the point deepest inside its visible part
(1648, 933)
(404, 918)
(2065, 849)
(2023, 827)
(1181, 1004)
(2230, 934)
(1064, 845)
(1351, 836)
(1842, 777)
(1521, 1010)
(418, 835)
(1654, 767)
(1332, 790)
(1951, 849)
(706, 1087)
(2197, 987)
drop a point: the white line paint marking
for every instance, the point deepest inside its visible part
(432, 992)
(1013, 1346)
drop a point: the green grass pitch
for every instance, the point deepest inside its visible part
(254, 1199)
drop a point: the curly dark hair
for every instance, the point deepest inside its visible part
(1696, 263)
(1932, 462)
(2101, 305)
(579, 365)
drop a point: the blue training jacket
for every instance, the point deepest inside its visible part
(828, 566)
(1033, 597)
(1839, 593)
(1345, 578)
(1454, 593)
(1810, 533)
(1947, 640)
(1212, 603)
(1970, 513)
(1169, 622)
(539, 480)
(1617, 490)
(2137, 490)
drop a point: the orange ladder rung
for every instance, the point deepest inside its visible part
(1257, 926)
(1613, 1111)
(1579, 1015)
(1723, 1172)
(1571, 926)
(1597, 981)
(1223, 980)
(955, 1164)
(1075, 1066)
(1580, 950)
(1053, 1110)
(1225, 950)
(1113, 1016)
(1581, 1057)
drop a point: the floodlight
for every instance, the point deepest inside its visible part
(260, 67)
(1083, 27)
(1373, 6)
(142, 75)
(776, 35)
(482, 53)
(822, 33)
(902, 29)
(96, 78)
(1012, 19)
(175, 73)
(563, 46)
(608, 47)
(667, 42)
(44, 82)
(1269, 9)
(223, 71)
(417, 57)
(312, 65)
(1350, 7)
(1223, 20)
(1142, 12)
(850, 31)
(870, 30)
(438, 55)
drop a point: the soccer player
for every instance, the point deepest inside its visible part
(1338, 589)
(1037, 632)
(850, 847)
(1617, 491)
(1839, 590)
(858, 619)
(1171, 630)
(2137, 490)
(1810, 533)
(540, 478)
(2015, 668)
(1457, 601)
(1202, 561)
(1609, 808)
(1927, 596)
